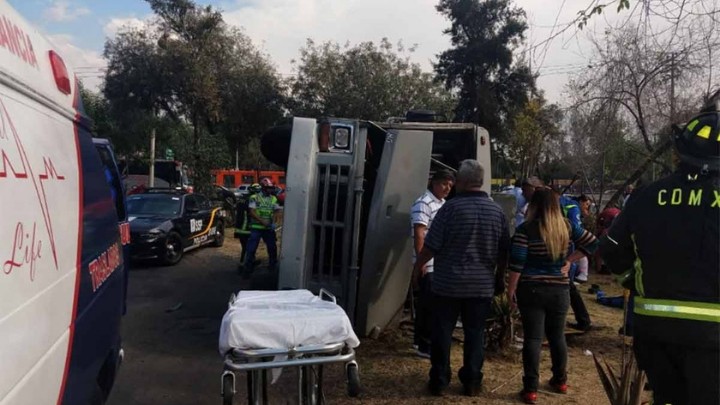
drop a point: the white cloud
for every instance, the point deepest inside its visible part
(62, 10)
(281, 27)
(112, 27)
(89, 65)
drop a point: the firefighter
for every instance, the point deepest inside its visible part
(263, 207)
(665, 244)
(242, 223)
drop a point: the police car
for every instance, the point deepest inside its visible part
(166, 223)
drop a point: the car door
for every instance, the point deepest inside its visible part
(207, 219)
(197, 218)
(186, 223)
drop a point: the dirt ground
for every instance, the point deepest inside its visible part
(172, 353)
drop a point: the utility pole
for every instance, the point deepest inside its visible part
(151, 181)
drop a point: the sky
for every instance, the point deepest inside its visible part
(79, 28)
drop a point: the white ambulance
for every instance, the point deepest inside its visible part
(63, 278)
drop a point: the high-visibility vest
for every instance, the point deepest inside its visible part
(264, 208)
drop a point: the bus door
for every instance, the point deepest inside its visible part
(385, 273)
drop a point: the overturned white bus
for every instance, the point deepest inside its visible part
(350, 186)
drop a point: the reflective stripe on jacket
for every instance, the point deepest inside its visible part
(265, 206)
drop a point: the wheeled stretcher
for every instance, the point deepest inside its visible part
(272, 330)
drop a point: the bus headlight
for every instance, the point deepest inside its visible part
(341, 138)
(335, 137)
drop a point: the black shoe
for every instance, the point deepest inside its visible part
(472, 390)
(436, 390)
(580, 326)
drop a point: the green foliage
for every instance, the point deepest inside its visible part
(366, 81)
(585, 15)
(499, 328)
(532, 128)
(481, 66)
(625, 388)
(192, 75)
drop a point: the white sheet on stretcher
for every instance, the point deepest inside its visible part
(283, 320)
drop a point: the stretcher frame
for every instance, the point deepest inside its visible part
(309, 360)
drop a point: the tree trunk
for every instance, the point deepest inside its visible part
(640, 170)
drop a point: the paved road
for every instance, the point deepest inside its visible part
(171, 354)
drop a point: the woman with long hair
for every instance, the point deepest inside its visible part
(538, 285)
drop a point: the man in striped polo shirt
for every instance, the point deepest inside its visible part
(469, 240)
(421, 216)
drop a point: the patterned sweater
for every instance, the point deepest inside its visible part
(529, 255)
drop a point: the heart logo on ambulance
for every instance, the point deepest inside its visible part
(26, 179)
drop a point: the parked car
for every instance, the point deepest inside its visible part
(242, 190)
(166, 223)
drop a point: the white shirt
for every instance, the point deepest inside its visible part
(422, 212)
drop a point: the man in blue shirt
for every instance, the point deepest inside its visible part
(470, 241)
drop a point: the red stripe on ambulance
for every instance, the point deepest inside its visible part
(78, 263)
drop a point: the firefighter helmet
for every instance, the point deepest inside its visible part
(698, 144)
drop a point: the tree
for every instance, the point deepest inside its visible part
(364, 81)
(480, 66)
(190, 67)
(633, 74)
(533, 127)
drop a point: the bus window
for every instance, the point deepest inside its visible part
(229, 180)
(281, 180)
(248, 179)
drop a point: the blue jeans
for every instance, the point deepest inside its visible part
(543, 309)
(268, 236)
(474, 313)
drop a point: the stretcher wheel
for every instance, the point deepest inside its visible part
(353, 379)
(228, 389)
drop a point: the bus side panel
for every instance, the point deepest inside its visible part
(386, 263)
(301, 184)
(40, 186)
(483, 156)
(101, 289)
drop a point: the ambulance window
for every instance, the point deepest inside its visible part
(113, 179)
